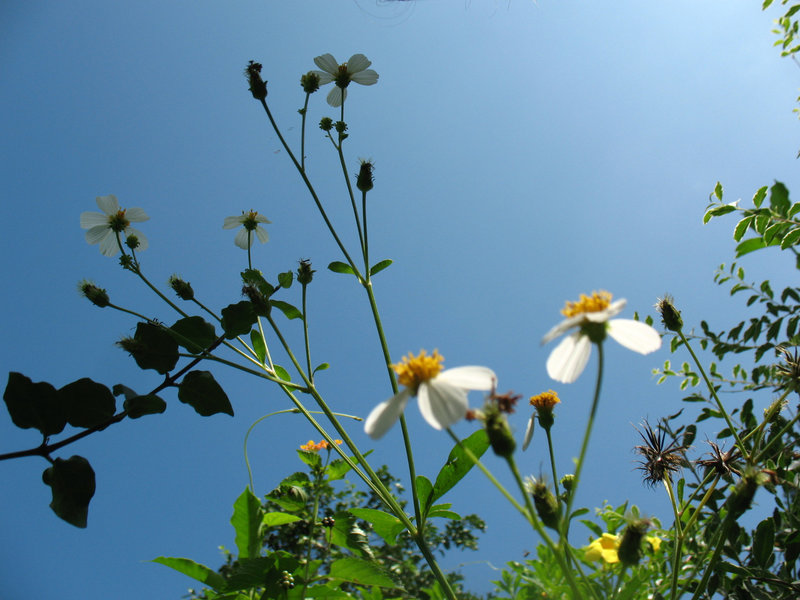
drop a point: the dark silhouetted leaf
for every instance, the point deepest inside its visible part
(87, 403)
(194, 333)
(238, 319)
(72, 484)
(36, 405)
(200, 390)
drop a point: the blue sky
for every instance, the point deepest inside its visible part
(525, 153)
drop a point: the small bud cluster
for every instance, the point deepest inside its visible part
(328, 522)
(310, 82)
(305, 273)
(97, 296)
(182, 288)
(287, 580)
(258, 87)
(326, 123)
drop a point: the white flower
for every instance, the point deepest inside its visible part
(442, 395)
(592, 316)
(249, 221)
(104, 226)
(354, 69)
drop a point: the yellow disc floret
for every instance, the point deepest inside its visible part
(597, 302)
(414, 370)
(545, 400)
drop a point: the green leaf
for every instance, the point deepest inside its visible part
(321, 367)
(87, 403)
(337, 469)
(256, 278)
(446, 514)
(312, 459)
(718, 191)
(748, 246)
(193, 333)
(72, 483)
(386, 525)
(741, 227)
(340, 267)
(259, 346)
(772, 231)
(424, 491)
(273, 519)
(139, 406)
(791, 238)
(282, 373)
(246, 520)
(35, 405)
(153, 348)
(347, 534)
(759, 196)
(285, 279)
(194, 570)
(287, 309)
(458, 463)
(779, 198)
(238, 319)
(200, 390)
(378, 267)
(718, 211)
(763, 542)
(361, 572)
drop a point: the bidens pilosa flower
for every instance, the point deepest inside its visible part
(250, 222)
(354, 69)
(104, 227)
(442, 395)
(591, 315)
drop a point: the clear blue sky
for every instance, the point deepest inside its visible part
(525, 153)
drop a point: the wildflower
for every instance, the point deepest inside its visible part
(604, 547)
(654, 541)
(354, 69)
(660, 459)
(310, 82)
(722, 463)
(257, 86)
(544, 404)
(311, 446)
(591, 316)
(250, 220)
(442, 395)
(305, 273)
(103, 228)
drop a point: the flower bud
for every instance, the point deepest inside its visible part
(364, 179)
(545, 503)
(182, 288)
(340, 126)
(670, 316)
(97, 296)
(258, 87)
(260, 303)
(310, 82)
(132, 242)
(499, 433)
(630, 546)
(326, 123)
(305, 273)
(544, 404)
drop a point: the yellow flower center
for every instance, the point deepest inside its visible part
(414, 370)
(597, 302)
(546, 400)
(249, 220)
(118, 221)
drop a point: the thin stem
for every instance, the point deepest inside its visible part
(352, 200)
(305, 335)
(676, 554)
(366, 238)
(303, 134)
(552, 461)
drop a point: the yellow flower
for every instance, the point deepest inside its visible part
(654, 541)
(311, 446)
(604, 547)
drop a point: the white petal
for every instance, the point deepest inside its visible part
(441, 403)
(324, 77)
(602, 316)
(529, 432)
(368, 77)
(108, 204)
(242, 240)
(262, 219)
(562, 327)
(108, 245)
(136, 214)
(567, 360)
(327, 63)
(232, 222)
(143, 244)
(385, 415)
(336, 96)
(262, 234)
(93, 219)
(635, 335)
(357, 63)
(469, 378)
(97, 234)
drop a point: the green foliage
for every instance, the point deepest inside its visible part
(200, 390)
(72, 484)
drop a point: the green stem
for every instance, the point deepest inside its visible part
(676, 554)
(552, 462)
(775, 439)
(713, 393)
(303, 135)
(305, 335)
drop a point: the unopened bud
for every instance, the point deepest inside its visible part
(132, 242)
(258, 87)
(305, 273)
(182, 288)
(364, 180)
(545, 503)
(326, 123)
(310, 82)
(96, 295)
(630, 546)
(261, 305)
(670, 316)
(499, 434)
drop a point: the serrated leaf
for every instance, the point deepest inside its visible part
(312, 459)
(36, 405)
(87, 403)
(340, 267)
(139, 406)
(287, 309)
(458, 463)
(200, 390)
(72, 483)
(153, 348)
(361, 572)
(337, 469)
(193, 333)
(274, 519)
(386, 525)
(378, 267)
(246, 520)
(194, 570)
(238, 319)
